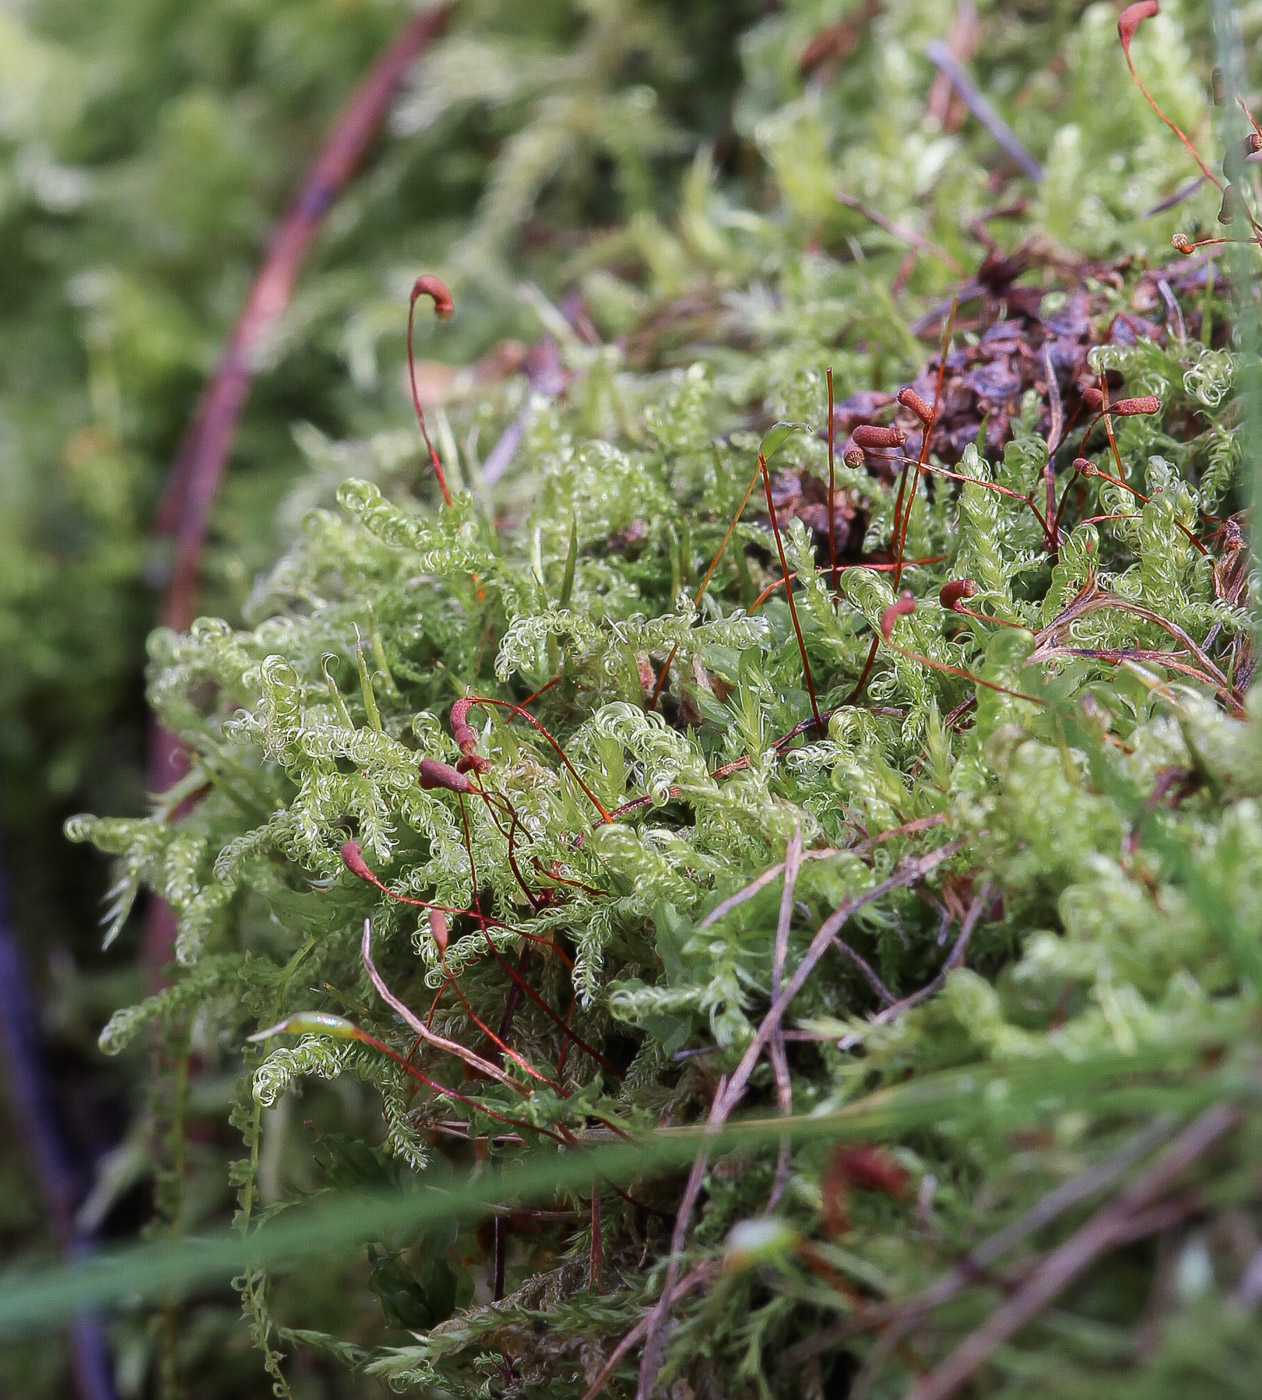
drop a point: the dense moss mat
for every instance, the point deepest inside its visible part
(1054, 794)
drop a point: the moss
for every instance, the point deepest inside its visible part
(1091, 942)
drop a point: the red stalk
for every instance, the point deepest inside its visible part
(442, 1089)
(1128, 22)
(793, 612)
(925, 439)
(516, 976)
(903, 606)
(547, 1010)
(441, 297)
(841, 568)
(352, 858)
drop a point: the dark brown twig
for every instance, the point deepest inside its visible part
(1185, 191)
(203, 456)
(954, 959)
(907, 235)
(779, 1060)
(688, 1284)
(1108, 1227)
(200, 464)
(904, 1317)
(944, 104)
(866, 969)
(759, 882)
(655, 1320)
(729, 1093)
(820, 728)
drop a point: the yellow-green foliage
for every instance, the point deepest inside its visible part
(1110, 827)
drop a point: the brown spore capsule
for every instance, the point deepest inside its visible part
(462, 731)
(1132, 17)
(353, 860)
(909, 398)
(869, 435)
(434, 774)
(871, 1169)
(436, 289)
(953, 594)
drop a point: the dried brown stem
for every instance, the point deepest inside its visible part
(688, 1284)
(1102, 1232)
(421, 1078)
(900, 534)
(986, 486)
(761, 882)
(903, 1318)
(841, 568)
(779, 1060)
(948, 669)
(494, 1037)
(472, 700)
(414, 1022)
(653, 1340)
(954, 959)
(1091, 598)
(907, 235)
(977, 103)
(729, 1092)
(553, 1016)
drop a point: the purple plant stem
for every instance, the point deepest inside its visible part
(977, 102)
(56, 1179)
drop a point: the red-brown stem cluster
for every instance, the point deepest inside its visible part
(466, 739)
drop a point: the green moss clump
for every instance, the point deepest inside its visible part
(1082, 740)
